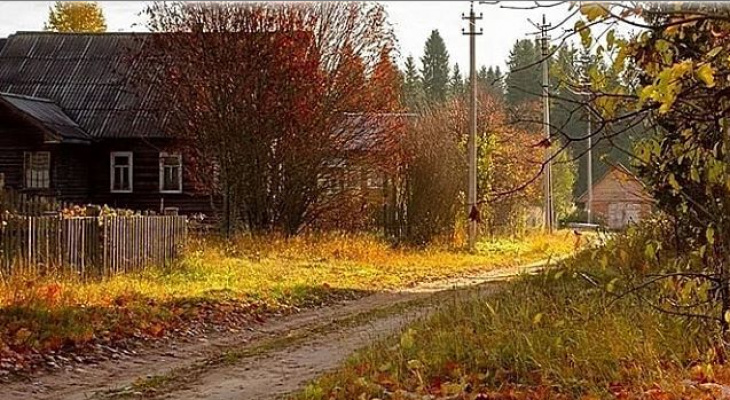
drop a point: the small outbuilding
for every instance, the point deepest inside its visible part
(619, 198)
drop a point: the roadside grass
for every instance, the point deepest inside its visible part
(556, 335)
(232, 283)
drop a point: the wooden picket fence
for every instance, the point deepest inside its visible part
(18, 203)
(89, 246)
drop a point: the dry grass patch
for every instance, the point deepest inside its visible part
(558, 335)
(231, 283)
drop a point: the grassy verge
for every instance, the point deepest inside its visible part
(230, 283)
(558, 335)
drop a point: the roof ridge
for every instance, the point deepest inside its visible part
(81, 33)
(22, 96)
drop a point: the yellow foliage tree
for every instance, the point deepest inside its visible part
(76, 16)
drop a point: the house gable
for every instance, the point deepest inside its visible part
(618, 185)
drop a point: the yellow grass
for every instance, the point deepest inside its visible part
(247, 275)
(554, 336)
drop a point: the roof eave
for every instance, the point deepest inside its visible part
(49, 135)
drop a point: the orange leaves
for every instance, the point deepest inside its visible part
(386, 380)
(156, 329)
(386, 84)
(21, 336)
(266, 88)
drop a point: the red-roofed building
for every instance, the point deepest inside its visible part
(619, 198)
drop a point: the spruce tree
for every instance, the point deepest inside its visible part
(483, 77)
(435, 71)
(456, 82)
(499, 80)
(412, 85)
(523, 81)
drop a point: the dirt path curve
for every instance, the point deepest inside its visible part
(267, 361)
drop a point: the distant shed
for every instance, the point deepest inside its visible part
(619, 198)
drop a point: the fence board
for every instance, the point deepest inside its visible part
(98, 246)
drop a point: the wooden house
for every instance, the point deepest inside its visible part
(76, 124)
(619, 198)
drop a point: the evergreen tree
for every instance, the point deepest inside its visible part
(489, 76)
(483, 77)
(435, 70)
(493, 83)
(456, 83)
(412, 85)
(499, 80)
(523, 81)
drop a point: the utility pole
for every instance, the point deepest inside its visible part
(548, 184)
(585, 89)
(589, 207)
(473, 212)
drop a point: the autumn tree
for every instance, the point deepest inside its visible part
(387, 83)
(75, 16)
(435, 172)
(433, 176)
(671, 79)
(272, 100)
(508, 161)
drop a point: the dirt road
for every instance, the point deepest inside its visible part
(265, 362)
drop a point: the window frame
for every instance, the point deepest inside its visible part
(161, 170)
(29, 155)
(112, 169)
(373, 180)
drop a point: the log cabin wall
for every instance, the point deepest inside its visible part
(146, 194)
(15, 139)
(69, 179)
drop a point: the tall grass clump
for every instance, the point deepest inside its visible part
(561, 334)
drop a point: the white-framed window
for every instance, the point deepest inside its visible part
(37, 169)
(373, 180)
(170, 173)
(121, 171)
(352, 178)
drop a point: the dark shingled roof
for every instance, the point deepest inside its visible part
(48, 114)
(88, 75)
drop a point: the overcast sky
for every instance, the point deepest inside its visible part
(412, 20)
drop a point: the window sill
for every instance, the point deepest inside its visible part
(120, 191)
(171, 191)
